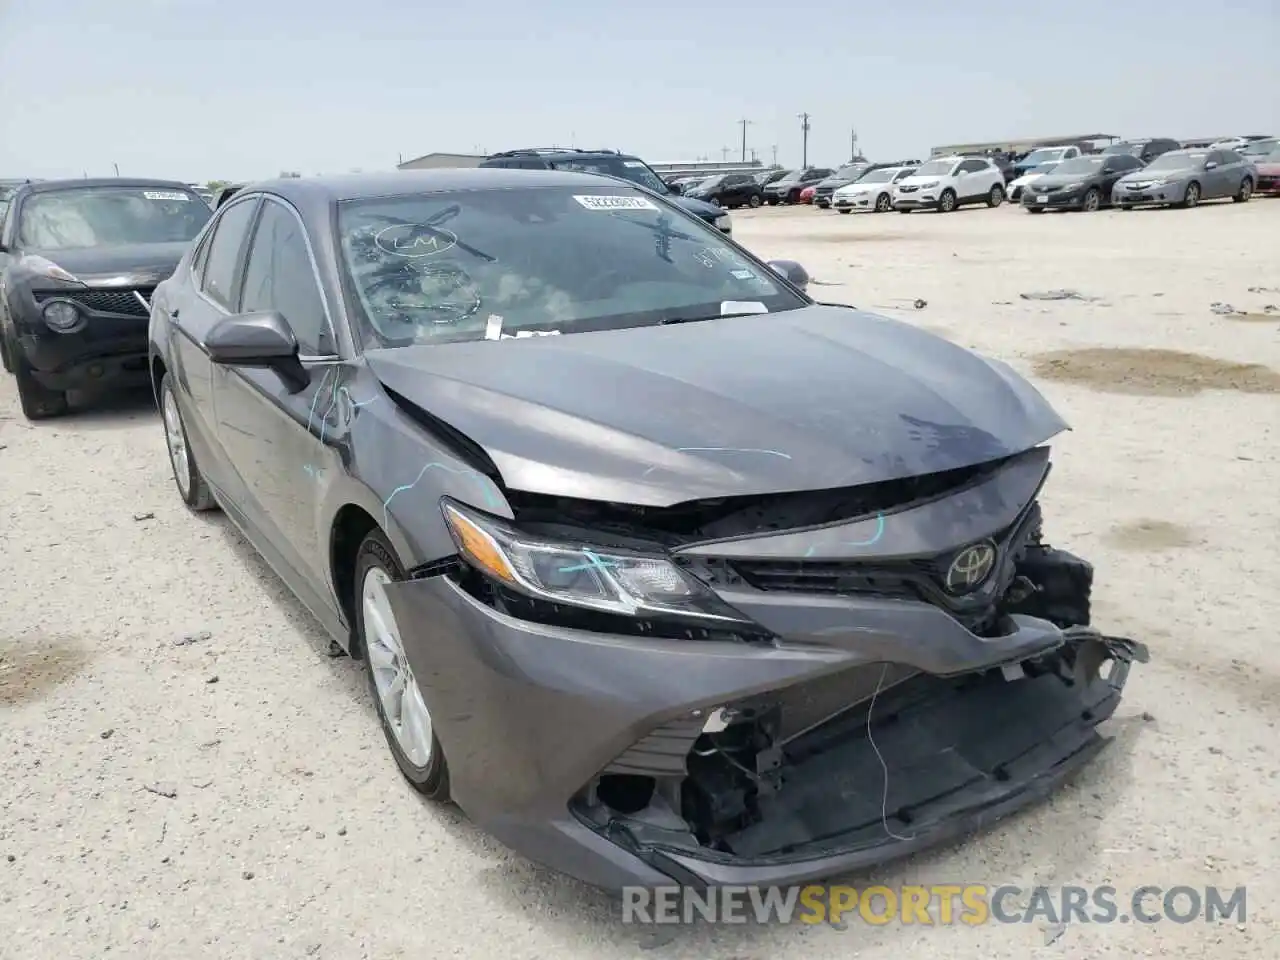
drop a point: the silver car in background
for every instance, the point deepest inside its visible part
(872, 193)
(1185, 177)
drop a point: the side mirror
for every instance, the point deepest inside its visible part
(795, 274)
(258, 340)
(1210, 164)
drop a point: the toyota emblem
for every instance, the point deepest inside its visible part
(971, 567)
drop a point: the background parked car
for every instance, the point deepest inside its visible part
(807, 194)
(1185, 177)
(1044, 155)
(1015, 187)
(948, 183)
(872, 192)
(846, 174)
(787, 189)
(770, 176)
(1238, 143)
(1268, 167)
(1081, 183)
(729, 190)
(1258, 149)
(1145, 150)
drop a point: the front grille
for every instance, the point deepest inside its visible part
(116, 301)
(908, 189)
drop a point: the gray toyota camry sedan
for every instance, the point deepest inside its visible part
(661, 570)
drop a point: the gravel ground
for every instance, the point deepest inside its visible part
(183, 773)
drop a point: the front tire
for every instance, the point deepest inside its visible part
(947, 202)
(754, 201)
(38, 402)
(402, 712)
(1092, 200)
(1192, 196)
(846, 211)
(192, 488)
(883, 203)
(1245, 191)
(996, 196)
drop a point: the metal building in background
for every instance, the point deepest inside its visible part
(438, 161)
(1021, 146)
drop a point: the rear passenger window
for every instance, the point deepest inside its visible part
(224, 253)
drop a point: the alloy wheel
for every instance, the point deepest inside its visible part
(176, 440)
(400, 699)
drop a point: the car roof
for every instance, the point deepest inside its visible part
(49, 186)
(559, 153)
(317, 192)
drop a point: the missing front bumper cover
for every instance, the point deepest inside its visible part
(922, 760)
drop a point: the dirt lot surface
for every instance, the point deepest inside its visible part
(184, 774)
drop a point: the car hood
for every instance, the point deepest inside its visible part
(1148, 176)
(699, 208)
(834, 183)
(144, 264)
(815, 398)
(783, 184)
(1064, 180)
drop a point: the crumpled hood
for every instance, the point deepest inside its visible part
(699, 208)
(816, 398)
(140, 265)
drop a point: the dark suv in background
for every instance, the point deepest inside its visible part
(610, 163)
(729, 190)
(788, 189)
(1145, 150)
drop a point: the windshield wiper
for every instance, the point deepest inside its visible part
(709, 316)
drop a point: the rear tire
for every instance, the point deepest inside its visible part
(1092, 200)
(386, 665)
(38, 402)
(1245, 191)
(192, 488)
(754, 201)
(846, 211)
(996, 196)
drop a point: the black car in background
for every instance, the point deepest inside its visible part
(841, 177)
(609, 163)
(787, 189)
(770, 176)
(79, 260)
(729, 190)
(224, 194)
(1081, 183)
(1145, 150)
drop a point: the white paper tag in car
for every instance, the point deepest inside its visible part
(614, 202)
(742, 306)
(165, 195)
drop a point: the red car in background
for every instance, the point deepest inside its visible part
(806, 195)
(1268, 167)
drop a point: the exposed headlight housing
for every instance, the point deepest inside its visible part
(618, 582)
(62, 316)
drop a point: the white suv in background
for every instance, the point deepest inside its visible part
(873, 193)
(948, 183)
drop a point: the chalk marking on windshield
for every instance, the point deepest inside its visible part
(421, 240)
(490, 492)
(858, 543)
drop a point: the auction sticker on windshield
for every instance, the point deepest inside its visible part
(613, 202)
(166, 195)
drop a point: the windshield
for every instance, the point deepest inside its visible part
(637, 171)
(878, 176)
(1041, 156)
(1259, 148)
(934, 168)
(1079, 165)
(442, 267)
(711, 182)
(1134, 149)
(1045, 167)
(1178, 160)
(109, 217)
(850, 171)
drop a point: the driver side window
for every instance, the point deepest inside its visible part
(279, 277)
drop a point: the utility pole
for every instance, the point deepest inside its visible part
(774, 148)
(724, 154)
(744, 122)
(804, 139)
(117, 166)
(853, 145)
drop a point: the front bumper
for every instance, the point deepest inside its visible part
(1124, 197)
(529, 715)
(1059, 200)
(857, 202)
(108, 350)
(921, 200)
(1268, 183)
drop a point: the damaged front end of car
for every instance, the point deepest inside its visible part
(810, 682)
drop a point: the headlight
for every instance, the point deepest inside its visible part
(630, 584)
(723, 222)
(61, 315)
(926, 186)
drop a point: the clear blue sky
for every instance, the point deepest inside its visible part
(202, 89)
